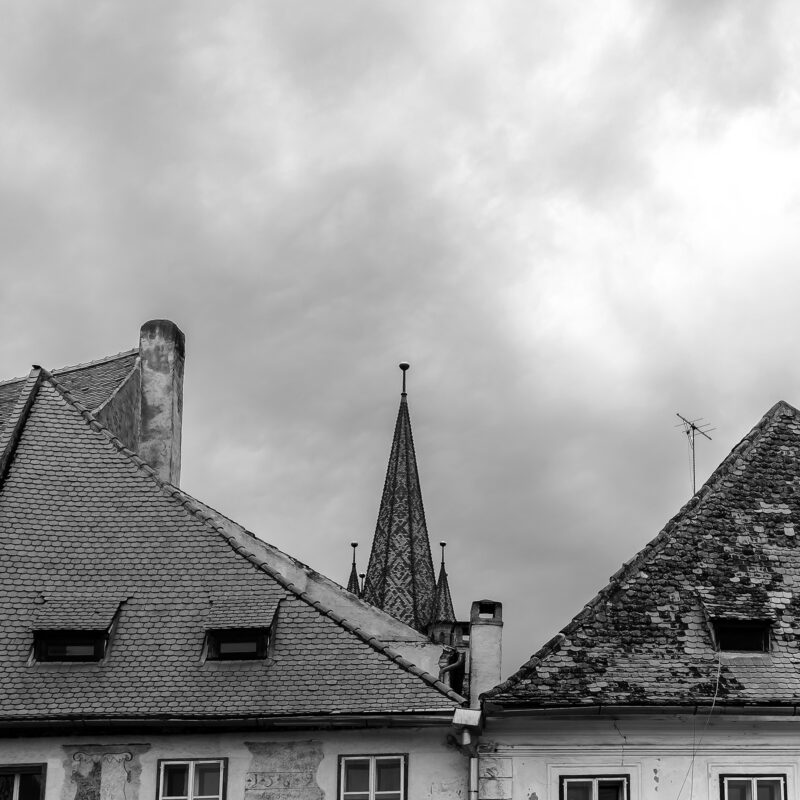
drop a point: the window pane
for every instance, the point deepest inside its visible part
(206, 780)
(30, 787)
(388, 775)
(238, 647)
(610, 790)
(356, 775)
(579, 790)
(387, 796)
(355, 796)
(739, 789)
(70, 650)
(769, 789)
(176, 780)
(6, 787)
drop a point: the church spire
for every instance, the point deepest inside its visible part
(400, 578)
(442, 602)
(353, 584)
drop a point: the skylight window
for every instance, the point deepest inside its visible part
(66, 645)
(236, 644)
(742, 635)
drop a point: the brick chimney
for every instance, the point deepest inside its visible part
(485, 648)
(162, 353)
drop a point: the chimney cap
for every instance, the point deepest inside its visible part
(165, 329)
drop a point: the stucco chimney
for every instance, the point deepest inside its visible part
(485, 648)
(161, 348)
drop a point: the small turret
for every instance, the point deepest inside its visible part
(352, 583)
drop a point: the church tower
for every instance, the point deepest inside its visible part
(400, 578)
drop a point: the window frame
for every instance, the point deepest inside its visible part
(762, 626)
(191, 762)
(25, 769)
(216, 636)
(373, 757)
(625, 778)
(753, 777)
(48, 636)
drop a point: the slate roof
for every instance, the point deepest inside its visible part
(400, 578)
(85, 521)
(91, 384)
(732, 551)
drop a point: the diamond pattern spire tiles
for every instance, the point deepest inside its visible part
(443, 603)
(400, 578)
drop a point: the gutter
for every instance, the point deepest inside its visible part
(10, 727)
(498, 711)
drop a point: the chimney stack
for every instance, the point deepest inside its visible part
(485, 648)
(162, 353)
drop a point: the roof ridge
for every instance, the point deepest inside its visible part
(103, 360)
(709, 487)
(205, 515)
(15, 422)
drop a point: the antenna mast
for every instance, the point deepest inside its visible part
(691, 427)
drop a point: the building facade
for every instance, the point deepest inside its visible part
(151, 647)
(680, 680)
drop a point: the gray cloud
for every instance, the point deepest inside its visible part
(573, 220)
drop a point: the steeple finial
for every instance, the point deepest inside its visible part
(400, 577)
(352, 583)
(443, 545)
(405, 366)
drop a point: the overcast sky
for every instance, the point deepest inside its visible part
(574, 220)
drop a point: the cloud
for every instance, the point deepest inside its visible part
(573, 219)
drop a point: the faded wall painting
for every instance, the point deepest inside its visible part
(283, 771)
(102, 772)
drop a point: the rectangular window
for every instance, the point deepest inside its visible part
(69, 645)
(23, 782)
(372, 777)
(192, 779)
(594, 787)
(237, 644)
(752, 787)
(749, 635)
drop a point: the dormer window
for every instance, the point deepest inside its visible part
(67, 645)
(742, 635)
(236, 644)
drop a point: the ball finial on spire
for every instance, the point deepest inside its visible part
(404, 365)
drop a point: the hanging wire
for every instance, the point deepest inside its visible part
(696, 744)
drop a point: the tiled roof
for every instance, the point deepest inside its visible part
(80, 515)
(74, 610)
(732, 551)
(91, 384)
(400, 577)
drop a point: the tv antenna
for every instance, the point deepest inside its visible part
(691, 427)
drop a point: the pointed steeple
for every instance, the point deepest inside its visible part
(400, 578)
(352, 583)
(442, 602)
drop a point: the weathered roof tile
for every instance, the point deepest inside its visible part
(646, 639)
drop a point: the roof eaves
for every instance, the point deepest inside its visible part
(11, 431)
(203, 513)
(707, 490)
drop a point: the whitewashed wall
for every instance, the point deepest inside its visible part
(261, 766)
(667, 758)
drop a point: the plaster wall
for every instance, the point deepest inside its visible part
(665, 758)
(300, 765)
